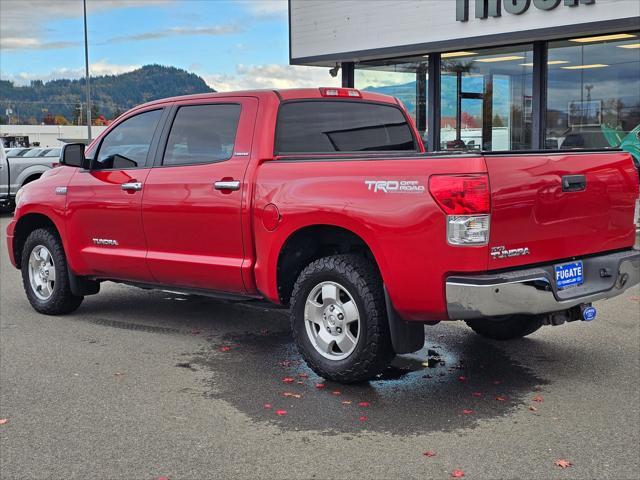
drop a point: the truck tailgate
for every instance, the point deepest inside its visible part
(532, 208)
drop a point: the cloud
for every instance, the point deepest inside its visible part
(249, 77)
(101, 67)
(23, 22)
(215, 30)
(266, 9)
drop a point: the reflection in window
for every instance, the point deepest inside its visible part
(202, 134)
(127, 145)
(486, 99)
(404, 78)
(593, 94)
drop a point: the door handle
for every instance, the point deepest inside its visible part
(574, 183)
(227, 185)
(131, 186)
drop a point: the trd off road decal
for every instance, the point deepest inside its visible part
(395, 186)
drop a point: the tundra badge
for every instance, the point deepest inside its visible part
(501, 252)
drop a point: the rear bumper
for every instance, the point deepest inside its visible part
(533, 291)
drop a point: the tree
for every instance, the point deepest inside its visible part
(61, 120)
(48, 119)
(497, 121)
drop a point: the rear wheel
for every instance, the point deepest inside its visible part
(339, 319)
(506, 328)
(45, 276)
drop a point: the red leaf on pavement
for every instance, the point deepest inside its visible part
(320, 385)
(363, 418)
(336, 392)
(467, 411)
(429, 453)
(3, 421)
(538, 398)
(364, 404)
(281, 412)
(457, 473)
(476, 394)
(532, 408)
(303, 375)
(501, 399)
(288, 380)
(267, 406)
(162, 478)
(225, 348)
(462, 378)
(289, 394)
(563, 463)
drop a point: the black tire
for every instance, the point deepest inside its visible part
(506, 328)
(373, 351)
(61, 300)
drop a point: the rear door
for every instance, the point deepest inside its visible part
(560, 205)
(193, 200)
(104, 204)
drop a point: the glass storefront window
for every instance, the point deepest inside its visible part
(593, 91)
(486, 99)
(404, 78)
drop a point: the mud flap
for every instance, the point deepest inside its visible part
(82, 287)
(406, 337)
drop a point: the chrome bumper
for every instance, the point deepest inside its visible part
(533, 290)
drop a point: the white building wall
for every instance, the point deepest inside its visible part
(322, 27)
(48, 135)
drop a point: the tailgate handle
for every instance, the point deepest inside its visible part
(574, 183)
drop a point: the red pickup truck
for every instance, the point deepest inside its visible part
(324, 200)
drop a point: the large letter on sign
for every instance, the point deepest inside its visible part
(487, 8)
(546, 4)
(462, 10)
(516, 7)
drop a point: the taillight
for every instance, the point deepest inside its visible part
(467, 202)
(461, 194)
(340, 92)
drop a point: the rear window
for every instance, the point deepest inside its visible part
(340, 126)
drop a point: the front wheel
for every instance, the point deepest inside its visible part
(506, 328)
(339, 319)
(45, 276)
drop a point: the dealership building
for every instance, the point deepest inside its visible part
(486, 74)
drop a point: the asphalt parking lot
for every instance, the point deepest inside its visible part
(144, 385)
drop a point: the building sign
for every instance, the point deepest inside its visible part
(492, 8)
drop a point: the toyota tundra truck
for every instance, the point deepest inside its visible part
(324, 201)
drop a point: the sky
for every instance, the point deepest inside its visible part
(232, 44)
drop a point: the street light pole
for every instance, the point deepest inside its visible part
(86, 70)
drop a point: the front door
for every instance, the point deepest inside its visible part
(192, 203)
(104, 224)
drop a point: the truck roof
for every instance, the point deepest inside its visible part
(283, 94)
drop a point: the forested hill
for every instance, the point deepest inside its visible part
(110, 94)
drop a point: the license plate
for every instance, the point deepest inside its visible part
(569, 275)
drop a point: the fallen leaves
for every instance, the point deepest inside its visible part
(292, 395)
(538, 398)
(303, 375)
(281, 413)
(363, 418)
(320, 385)
(4, 421)
(336, 392)
(562, 463)
(532, 408)
(429, 453)
(268, 406)
(457, 473)
(225, 348)
(467, 411)
(501, 399)
(462, 378)
(364, 404)
(346, 402)
(476, 394)
(288, 380)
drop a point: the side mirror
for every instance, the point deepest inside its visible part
(73, 155)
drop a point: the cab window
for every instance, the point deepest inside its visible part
(202, 134)
(127, 145)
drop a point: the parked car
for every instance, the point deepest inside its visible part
(53, 152)
(323, 200)
(17, 169)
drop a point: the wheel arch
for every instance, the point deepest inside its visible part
(24, 226)
(311, 242)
